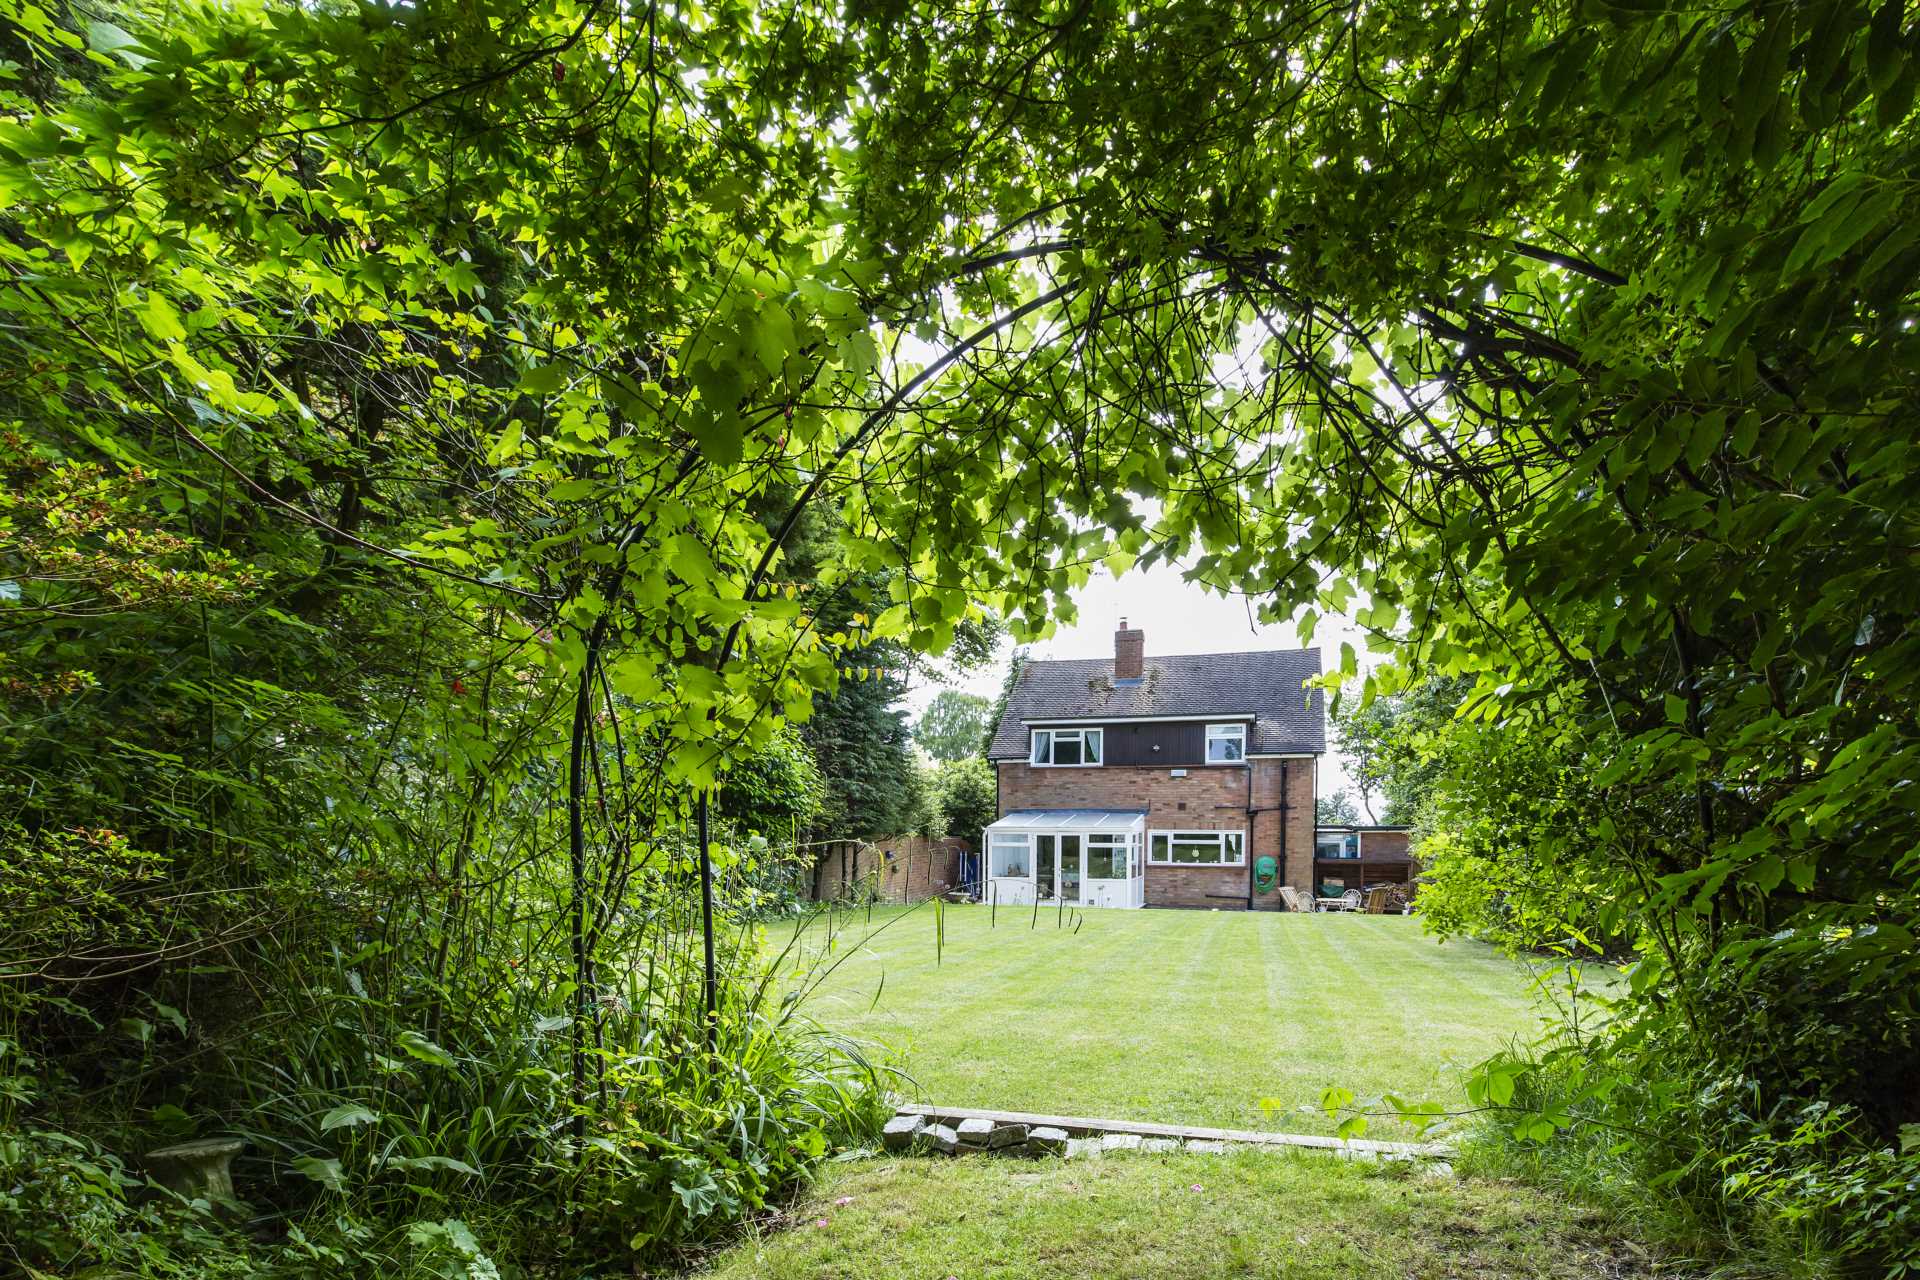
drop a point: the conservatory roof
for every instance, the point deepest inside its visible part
(1071, 820)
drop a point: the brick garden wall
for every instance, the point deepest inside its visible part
(1209, 798)
(900, 869)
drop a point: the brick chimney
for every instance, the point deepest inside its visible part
(1129, 652)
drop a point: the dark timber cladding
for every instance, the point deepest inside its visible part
(1169, 744)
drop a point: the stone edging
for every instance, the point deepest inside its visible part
(965, 1130)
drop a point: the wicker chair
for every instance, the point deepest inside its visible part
(1295, 900)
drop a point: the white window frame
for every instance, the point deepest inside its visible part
(1226, 733)
(1006, 842)
(1083, 736)
(1192, 837)
(1119, 845)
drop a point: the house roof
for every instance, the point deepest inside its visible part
(1287, 719)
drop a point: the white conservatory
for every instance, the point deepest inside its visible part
(1077, 857)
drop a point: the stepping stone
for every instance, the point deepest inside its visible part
(1006, 1136)
(1120, 1142)
(1159, 1144)
(1201, 1146)
(1083, 1149)
(901, 1131)
(1045, 1140)
(943, 1137)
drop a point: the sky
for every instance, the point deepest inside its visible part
(1178, 617)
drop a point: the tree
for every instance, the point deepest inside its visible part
(777, 791)
(1335, 809)
(1383, 738)
(1015, 665)
(967, 796)
(953, 725)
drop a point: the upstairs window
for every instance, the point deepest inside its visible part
(1066, 747)
(1226, 743)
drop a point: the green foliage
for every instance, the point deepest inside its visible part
(953, 725)
(1335, 810)
(966, 796)
(1015, 664)
(1387, 741)
(778, 790)
(1505, 814)
(450, 438)
(860, 737)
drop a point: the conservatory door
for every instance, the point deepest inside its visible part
(1043, 855)
(1070, 869)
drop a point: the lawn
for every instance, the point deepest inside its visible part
(1177, 1016)
(1302, 1216)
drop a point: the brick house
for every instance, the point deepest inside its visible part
(1180, 781)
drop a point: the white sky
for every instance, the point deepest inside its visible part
(1178, 617)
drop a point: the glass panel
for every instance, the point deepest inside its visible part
(1159, 848)
(1043, 865)
(1041, 744)
(1009, 857)
(1093, 745)
(1226, 744)
(1066, 750)
(1233, 847)
(1070, 868)
(1106, 860)
(1194, 850)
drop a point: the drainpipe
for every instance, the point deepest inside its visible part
(1251, 822)
(1284, 808)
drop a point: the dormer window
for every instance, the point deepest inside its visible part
(1054, 748)
(1226, 743)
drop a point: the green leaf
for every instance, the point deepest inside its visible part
(773, 337)
(418, 1046)
(160, 320)
(507, 446)
(1885, 49)
(325, 1172)
(105, 37)
(346, 1116)
(446, 1163)
(542, 380)
(719, 433)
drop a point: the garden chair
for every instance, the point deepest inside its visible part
(1350, 900)
(1377, 899)
(1294, 899)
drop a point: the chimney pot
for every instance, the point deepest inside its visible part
(1129, 652)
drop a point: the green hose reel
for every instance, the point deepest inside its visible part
(1264, 871)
